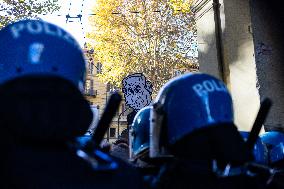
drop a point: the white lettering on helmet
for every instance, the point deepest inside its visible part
(16, 28)
(59, 32)
(220, 87)
(35, 52)
(198, 89)
(36, 27)
(48, 30)
(208, 86)
(70, 39)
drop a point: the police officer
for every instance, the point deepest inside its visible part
(192, 121)
(274, 141)
(139, 145)
(260, 150)
(42, 111)
(120, 148)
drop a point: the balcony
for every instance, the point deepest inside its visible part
(91, 92)
(121, 119)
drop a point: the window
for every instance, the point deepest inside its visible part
(89, 88)
(123, 108)
(108, 87)
(99, 68)
(111, 88)
(112, 132)
(90, 66)
(87, 85)
(91, 84)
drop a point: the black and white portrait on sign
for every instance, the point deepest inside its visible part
(137, 92)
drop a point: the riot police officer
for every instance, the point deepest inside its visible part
(260, 150)
(43, 110)
(274, 141)
(139, 146)
(192, 122)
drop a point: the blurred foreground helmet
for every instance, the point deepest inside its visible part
(41, 69)
(139, 133)
(260, 150)
(274, 141)
(34, 47)
(186, 104)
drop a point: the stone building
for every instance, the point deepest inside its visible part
(241, 42)
(97, 93)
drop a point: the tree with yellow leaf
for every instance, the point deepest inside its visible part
(13, 10)
(152, 37)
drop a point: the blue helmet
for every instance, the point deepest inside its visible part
(139, 133)
(274, 141)
(186, 104)
(32, 47)
(272, 138)
(260, 150)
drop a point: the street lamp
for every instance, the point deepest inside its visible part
(119, 119)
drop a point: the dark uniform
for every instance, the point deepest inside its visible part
(192, 166)
(41, 117)
(43, 111)
(192, 122)
(120, 149)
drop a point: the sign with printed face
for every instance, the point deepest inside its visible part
(137, 91)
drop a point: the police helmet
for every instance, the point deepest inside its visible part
(139, 133)
(31, 47)
(260, 150)
(274, 141)
(185, 104)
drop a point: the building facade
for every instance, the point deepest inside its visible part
(97, 93)
(241, 42)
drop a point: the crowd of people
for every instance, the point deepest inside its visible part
(184, 138)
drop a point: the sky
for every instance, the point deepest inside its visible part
(74, 26)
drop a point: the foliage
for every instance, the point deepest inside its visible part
(183, 6)
(13, 10)
(151, 37)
